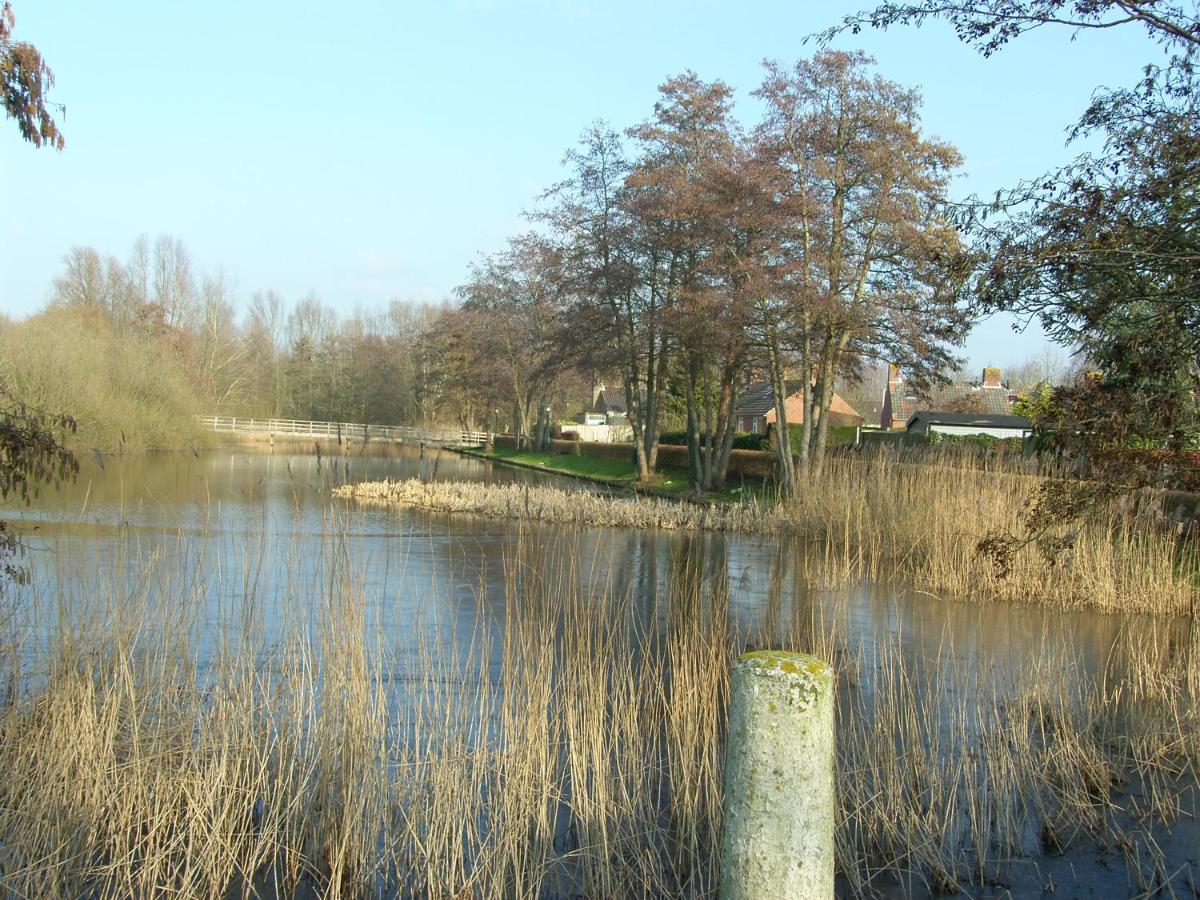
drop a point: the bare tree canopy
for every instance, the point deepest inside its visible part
(987, 25)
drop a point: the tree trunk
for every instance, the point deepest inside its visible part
(783, 437)
(824, 399)
(695, 465)
(806, 399)
(727, 424)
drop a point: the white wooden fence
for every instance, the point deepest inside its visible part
(346, 431)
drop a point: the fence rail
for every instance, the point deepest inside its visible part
(346, 431)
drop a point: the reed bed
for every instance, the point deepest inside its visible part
(574, 747)
(880, 518)
(536, 503)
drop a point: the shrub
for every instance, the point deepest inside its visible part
(126, 392)
(751, 442)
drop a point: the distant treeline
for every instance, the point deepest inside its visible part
(133, 349)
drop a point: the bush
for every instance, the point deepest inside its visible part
(751, 442)
(980, 442)
(839, 435)
(125, 391)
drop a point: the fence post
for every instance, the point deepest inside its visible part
(779, 802)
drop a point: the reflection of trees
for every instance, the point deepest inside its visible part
(768, 623)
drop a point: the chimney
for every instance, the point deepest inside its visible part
(991, 377)
(894, 376)
(597, 390)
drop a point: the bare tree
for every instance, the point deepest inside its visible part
(880, 267)
(264, 343)
(172, 283)
(220, 349)
(83, 283)
(618, 273)
(514, 304)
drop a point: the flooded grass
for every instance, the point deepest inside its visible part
(571, 747)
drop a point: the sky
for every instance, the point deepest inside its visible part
(365, 151)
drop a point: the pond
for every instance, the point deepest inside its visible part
(229, 531)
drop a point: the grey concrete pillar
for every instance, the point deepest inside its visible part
(780, 799)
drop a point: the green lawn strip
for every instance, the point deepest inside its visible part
(609, 470)
(668, 482)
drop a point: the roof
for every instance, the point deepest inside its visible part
(977, 420)
(758, 398)
(976, 399)
(609, 400)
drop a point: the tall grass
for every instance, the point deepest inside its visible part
(883, 519)
(125, 392)
(573, 748)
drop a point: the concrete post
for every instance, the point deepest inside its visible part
(779, 784)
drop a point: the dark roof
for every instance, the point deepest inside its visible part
(610, 400)
(980, 399)
(979, 420)
(758, 398)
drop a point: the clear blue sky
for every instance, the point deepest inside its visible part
(371, 150)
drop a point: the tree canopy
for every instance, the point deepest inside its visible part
(25, 81)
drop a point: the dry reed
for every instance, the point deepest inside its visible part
(577, 750)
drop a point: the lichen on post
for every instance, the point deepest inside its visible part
(779, 781)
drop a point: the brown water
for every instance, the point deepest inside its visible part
(230, 530)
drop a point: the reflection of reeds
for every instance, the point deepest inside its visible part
(881, 519)
(577, 750)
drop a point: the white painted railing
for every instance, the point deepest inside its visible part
(346, 431)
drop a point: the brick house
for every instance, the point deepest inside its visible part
(988, 396)
(756, 408)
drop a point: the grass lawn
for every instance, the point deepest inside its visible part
(668, 482)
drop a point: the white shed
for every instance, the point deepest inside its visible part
(997, 426)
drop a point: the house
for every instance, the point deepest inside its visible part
(756, 407)
(988, 396)
(608, 407)
(997, 426)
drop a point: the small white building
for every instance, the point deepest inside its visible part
(997, 426)
(608, 407)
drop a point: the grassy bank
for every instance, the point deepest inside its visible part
(576, 752)
(125, 392)
(667, 482)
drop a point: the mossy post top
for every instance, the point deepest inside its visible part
(785, 664)
(797, 678)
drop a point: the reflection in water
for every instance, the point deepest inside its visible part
(257, 529)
